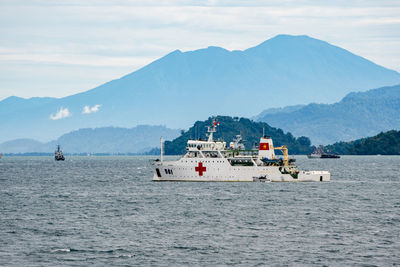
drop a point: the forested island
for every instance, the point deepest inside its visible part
(387, 143)
(250, 131)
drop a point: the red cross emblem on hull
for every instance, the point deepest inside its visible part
(200, 169)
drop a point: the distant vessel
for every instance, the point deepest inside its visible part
(212, 161)
(319, 153)
(58, 154)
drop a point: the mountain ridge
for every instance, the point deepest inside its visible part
(182, 87)
(357, 115)
(139, 139)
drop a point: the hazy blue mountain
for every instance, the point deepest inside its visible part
(182, 87)
(24, 145)
(280, 110)
(116, 140)
(357, 115)
(139, 139)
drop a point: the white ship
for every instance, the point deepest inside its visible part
(213, 161)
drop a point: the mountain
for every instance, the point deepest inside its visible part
(116, 140)
(24, 145)
(182, 87)
(249, 130)
(357, 115)
(387, 143)
(280, 110)
(139, 139)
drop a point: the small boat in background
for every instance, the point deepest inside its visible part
(319, 153)
(58, 154)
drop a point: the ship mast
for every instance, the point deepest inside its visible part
(162, 149)
(212, 129)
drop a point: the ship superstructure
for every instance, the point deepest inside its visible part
(212, 161)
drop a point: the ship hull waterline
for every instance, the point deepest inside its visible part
(218, 173)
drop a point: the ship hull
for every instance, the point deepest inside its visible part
(323, 156)
(220, 170)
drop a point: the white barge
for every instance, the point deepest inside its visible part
(213, 161)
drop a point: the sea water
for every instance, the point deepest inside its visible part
(107, 211)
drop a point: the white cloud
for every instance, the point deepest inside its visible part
(61, 113)
(70, 59)
(88, 109)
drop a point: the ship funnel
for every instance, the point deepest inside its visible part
(266, 148)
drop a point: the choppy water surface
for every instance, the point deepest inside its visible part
(106, 211)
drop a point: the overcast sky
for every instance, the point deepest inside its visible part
(61, 47)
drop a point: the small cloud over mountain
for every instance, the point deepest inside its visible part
(88, 109)
(61, 113)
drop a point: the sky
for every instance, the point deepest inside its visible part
(57, 48)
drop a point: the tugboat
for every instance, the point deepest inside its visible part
(319, 153)
(58, 155)
(213, 161)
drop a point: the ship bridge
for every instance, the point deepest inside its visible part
(196, 145)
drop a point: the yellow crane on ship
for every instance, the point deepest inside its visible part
(285, 154)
